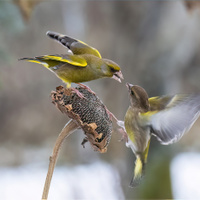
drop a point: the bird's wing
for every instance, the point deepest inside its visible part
(170, 124)
(159, 102)
(76, 46)
(50, 60)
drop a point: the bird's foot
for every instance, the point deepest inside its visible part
(124, 135)
(77, 92)
(118, 126)
(122, 131)
(86, 87)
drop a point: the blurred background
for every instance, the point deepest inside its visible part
(157, 45)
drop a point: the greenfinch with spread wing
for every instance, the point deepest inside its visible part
(81, 63)
(166, 117)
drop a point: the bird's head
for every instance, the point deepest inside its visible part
(138, 96)
(112, 69)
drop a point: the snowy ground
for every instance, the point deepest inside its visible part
(94, 181)
(185, 175)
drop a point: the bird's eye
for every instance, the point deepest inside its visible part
(132, 93)
(113, 70)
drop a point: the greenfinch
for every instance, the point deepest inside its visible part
(81, 63)
(166, 117)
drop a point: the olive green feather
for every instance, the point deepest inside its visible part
(167, 117)
(83, 64)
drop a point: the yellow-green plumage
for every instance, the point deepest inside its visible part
(83, 64)
(167, 118)
(139, 138)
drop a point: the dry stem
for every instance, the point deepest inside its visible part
(68, 129)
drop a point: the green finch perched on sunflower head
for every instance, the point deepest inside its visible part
(166, 117)
(83, 63)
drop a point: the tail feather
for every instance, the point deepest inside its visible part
(138, 172)
(141, 160)
(25, 59)
(41, 60)
(36, 60)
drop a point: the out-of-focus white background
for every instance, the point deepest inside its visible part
(157, 45)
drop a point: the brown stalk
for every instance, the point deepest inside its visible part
(68, 129)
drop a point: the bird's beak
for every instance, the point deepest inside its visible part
(129, 86)
(118, 76)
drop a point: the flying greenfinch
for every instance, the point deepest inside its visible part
(166, 117)
(81, 63)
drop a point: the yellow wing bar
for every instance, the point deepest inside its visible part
(71, 59)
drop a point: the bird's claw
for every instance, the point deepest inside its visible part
(86, 87)
(124, 135)
(118, 126)
(77, 92)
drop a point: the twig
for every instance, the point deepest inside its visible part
(68, 129)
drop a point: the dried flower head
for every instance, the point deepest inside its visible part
(88, 112)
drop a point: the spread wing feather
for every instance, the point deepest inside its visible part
(76, 46)
(175, 118)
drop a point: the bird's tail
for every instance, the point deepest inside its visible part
(141, 160)
(41, 60)
(138, 172)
